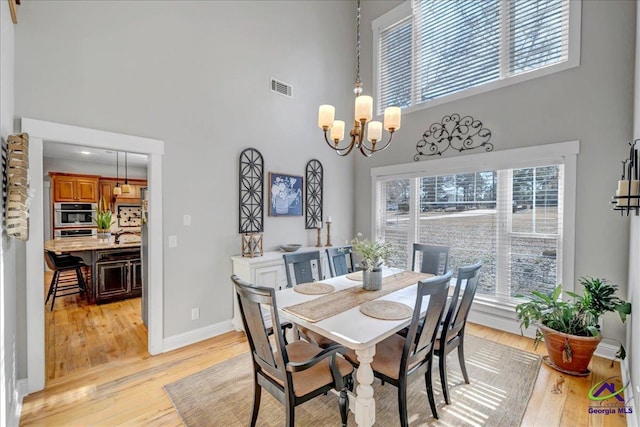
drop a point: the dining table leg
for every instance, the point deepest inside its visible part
(365, 403)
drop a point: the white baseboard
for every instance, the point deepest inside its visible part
(196, 335)
(632, 418)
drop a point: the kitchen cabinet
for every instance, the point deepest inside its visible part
(74, 188)
(267, 270)
(119, 275)
(107, 185)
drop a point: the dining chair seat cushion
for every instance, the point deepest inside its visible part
(318, 339)
(317, 376)
(387, 358)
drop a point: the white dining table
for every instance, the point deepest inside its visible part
(356, 331)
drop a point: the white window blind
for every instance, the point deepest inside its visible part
(442, 48)
(511, 219)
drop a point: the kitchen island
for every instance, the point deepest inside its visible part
(116, 268)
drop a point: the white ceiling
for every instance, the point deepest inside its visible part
(59, 150)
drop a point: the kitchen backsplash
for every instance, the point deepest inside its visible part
(128, 215)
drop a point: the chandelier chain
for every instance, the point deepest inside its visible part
(358, 82)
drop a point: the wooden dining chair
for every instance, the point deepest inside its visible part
(451, 335)
(340, 260)
(303, 273)
(293, 373)
(435, 259)
(399, 360)
(302, 267)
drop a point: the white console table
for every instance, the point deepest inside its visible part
(268, 270)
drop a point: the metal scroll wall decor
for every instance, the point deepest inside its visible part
(454, 132)
(313, 212)
(251, 186)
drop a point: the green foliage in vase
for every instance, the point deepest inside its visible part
(104, 216)
(373, 253)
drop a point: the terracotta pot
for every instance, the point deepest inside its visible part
(582, 349)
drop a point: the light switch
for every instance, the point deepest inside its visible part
(173, 241)
(186, 220)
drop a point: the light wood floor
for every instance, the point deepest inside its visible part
(114, 390)
(81, 335)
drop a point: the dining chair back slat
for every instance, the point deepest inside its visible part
(453, 326)
(340, 260)
(434, 258)
(302, 267)
(423, 329)
(252, 300)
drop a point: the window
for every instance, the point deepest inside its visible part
(432, 51)
(511, 218)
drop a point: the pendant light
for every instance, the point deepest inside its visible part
(117, 190)
(359, 135)
(126, 188)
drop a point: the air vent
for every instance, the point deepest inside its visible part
(282, 88)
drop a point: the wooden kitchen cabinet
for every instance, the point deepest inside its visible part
(74, 188)
(107, 185)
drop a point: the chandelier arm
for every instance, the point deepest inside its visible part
(334, 146)
(370, 150)
(346, 150)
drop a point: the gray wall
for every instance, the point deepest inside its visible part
(592, 103)
(196, 75)
(9, 286)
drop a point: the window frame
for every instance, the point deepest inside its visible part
(559, 153)
(405, 10)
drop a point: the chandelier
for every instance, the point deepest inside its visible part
(363, 115)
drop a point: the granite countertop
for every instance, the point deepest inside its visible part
(75, 244)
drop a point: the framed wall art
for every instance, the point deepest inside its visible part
(285, 195)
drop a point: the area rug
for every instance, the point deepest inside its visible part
(502, 379)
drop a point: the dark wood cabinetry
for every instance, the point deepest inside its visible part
(118, 275)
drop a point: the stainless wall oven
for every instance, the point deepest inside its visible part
(73, 214)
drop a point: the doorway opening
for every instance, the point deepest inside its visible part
(105, 323)
(40, 133)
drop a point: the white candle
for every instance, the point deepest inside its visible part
(392, 118)
(337, 130)
(364, 107)
(326, 114)
(329, 218)
(374, 131)
(628, 188)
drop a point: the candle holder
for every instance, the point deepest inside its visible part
(627, 196)
(328, 233)
(319, 239)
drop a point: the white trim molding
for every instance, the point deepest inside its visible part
(39, 133)
(197, 335)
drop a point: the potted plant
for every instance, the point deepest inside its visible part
(103, 218)
(570, 328)
(373, 255)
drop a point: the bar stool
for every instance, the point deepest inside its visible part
(62, 265)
